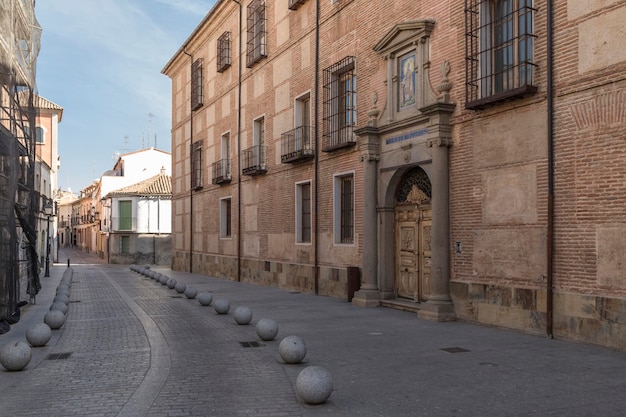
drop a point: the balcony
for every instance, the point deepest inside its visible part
(294, 4)
(221, 172)
(253, 160)
(296, 145)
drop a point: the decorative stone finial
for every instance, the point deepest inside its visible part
(373, 111)
(445, 86)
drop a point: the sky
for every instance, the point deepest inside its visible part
(101, 61)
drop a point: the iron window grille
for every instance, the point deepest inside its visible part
(196, 165)
(305, 213)
(257, 33)
(339, 105)
(294, 4)
(197, 93)
(347, 209)
(499, 51)
(223, 52)
(225, 218)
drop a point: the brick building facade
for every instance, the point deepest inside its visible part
(465, 157)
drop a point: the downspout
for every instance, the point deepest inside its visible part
(239, 240)
(190, 182)
(316, 267)
(550, 221)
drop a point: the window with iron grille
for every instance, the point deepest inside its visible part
(197, 94)
(256, 33)
(303, 212)
(339, 105)
(196, 165)
(223, 52)
(225, 218)
(499, 43)
(344, 208)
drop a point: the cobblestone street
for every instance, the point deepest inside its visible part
(133, 347)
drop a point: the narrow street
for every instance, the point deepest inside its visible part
(133, 347)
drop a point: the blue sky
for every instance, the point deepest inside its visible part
(101, 61)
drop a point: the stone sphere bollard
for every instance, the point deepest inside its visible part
(61, 299)
(267, 329)
(191, 292)
(180, 287)
(314, 385)
(54, 319)
(15, 356)
(243, 315)
(163, 280)
(38, 335)
(63, 289)
(292, 349)
(171, 283)
(205, 298)
(221, 306)
(62, 307)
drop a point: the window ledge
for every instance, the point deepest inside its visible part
(514, 93)
(341, 145)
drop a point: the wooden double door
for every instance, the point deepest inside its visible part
(412, 251)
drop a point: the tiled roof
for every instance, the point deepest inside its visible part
(44, 103)
(159, 185)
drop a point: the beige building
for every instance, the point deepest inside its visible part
(464, 159)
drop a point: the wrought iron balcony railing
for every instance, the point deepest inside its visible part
(221, 171)
(253, 160)
(296, 145)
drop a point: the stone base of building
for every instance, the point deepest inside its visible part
(332, 281)
(438, 311)
(582, 317)
(365, 298)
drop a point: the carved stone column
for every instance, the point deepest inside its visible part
(369, 144)
(439, 305)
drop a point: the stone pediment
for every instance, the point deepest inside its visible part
(404, 34)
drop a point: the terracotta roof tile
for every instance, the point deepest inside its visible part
(159, 185)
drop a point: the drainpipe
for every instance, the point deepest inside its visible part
(190, 182)
(550, 224)
(239, 240)
(316, 267)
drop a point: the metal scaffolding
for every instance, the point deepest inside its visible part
(20, 202)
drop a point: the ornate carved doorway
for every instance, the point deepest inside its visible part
(412, 236)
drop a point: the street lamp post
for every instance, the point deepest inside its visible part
(49, 211)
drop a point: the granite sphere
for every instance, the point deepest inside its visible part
(205, 298)
(54, 319)
(314, 385)
(180, 287)
(62, 307)
(62, 298)
(292, 349)
(15, 356)
(171, 283)
(221, 306)
(243, 315)
(163, 280)
(267, 329)
(38, 335)
(63, 289)
(191, 292)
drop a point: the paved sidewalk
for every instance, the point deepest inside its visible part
(138, 348)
